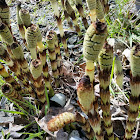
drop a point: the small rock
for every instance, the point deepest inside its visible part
(59, 98)
(61, 135)
(74, 135)
(2, 114)
(72, 40)
(5, 120)
(75, 138)
(70, 46)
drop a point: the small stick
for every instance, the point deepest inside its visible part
(81, 12)
(105, 62)
(60, 26)
(71, 13)
(36, 70)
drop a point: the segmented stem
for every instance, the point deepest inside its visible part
(71, 13)
(6, 34)
(88, 104)
(12, 94)
(25, 17)
(92, 7)
(60, 26)
(42, 55)
(81, 12)
(99, 11)
(105, 62)
(118, 71)
(19, 22)
(9, 79)
(14, 66)
(66, 15)
(52, 55)
(31, 39)
(135, 91)
(36, 70)
(5, 13)
(93, 42)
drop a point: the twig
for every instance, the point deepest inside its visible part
(137, 128)
(120, 90)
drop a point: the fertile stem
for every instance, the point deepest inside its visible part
(52, 55)
(36, 70)
(8, 91)
(93, 42)
(73, 17)
(105, 62)
(66, 15)
(118, 71)
(88, 105)
(81, 12)
(9, 79)
(60, 26)
(134, 101)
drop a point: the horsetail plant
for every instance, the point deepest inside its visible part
(25, 17)
(89, 106)
(42, 55)
(66, 15)
(134, 101)
(14, 67)
(19, 22)
(36, 70)
(105, 63)
(12, 94)
(81, 12)
(9, 79)
(30, 36)
(65, 118)
(60, 26)
(5, 13)
(18, 53)
(99, 11)
(50, 39)
(118, 71)
(92, 7)
(5, 34)
(57, 50)
(71, 13)
(93, 43)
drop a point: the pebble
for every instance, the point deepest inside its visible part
(59, 98)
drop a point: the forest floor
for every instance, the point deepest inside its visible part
(123, 23)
